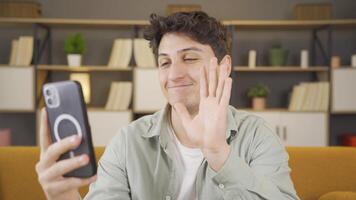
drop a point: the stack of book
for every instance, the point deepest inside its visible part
(310, 97)
(121, 53)
(119, 96)
(21, 51)
(122, 49)
(143, 54)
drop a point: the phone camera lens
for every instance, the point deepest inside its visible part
(50, 101)
(48, 92)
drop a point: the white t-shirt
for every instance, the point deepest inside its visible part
(190, 159)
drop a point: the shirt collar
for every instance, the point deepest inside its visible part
(159, 124)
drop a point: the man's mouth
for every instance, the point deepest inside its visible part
(179, 86)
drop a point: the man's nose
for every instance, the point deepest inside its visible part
(177, 70)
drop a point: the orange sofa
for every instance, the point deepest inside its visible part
(315, 172)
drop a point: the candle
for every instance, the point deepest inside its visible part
(304, 58)
(252, 59)
(353, 60)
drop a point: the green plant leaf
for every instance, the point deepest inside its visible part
(74, 44)
(259, 90)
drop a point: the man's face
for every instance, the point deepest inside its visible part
(179, 62)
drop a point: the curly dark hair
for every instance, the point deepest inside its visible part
(196, 25)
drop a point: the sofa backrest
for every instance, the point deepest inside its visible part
(319, 170)
(315, 171)
(18, 178)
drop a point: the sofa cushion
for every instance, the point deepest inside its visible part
(339, 195)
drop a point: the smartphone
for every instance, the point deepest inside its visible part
(67, 115)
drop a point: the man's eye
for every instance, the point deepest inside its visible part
(190, 59)
(164, 64)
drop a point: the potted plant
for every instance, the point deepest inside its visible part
(74, 46)
(277, 56)
(258, 94)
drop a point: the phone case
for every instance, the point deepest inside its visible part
(67, 116)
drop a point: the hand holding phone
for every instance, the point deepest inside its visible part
(67, 116)
(53, 167)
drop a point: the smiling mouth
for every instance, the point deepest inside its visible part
(179, 86)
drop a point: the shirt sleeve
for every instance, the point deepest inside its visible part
(266, 175)
(112, 182)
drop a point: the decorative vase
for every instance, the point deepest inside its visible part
(74, 60)
(277, 56)
(259, 103)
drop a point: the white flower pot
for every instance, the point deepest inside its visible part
(74, 60)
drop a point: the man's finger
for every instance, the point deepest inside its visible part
(225, 99)
(55, 150)
(64, 166)
(45, 139)
(203, 84)
(182, 113)
(212, 77)
(222, 76)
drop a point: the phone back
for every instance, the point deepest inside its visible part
(67, 116)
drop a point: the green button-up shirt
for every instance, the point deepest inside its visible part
(138, 163)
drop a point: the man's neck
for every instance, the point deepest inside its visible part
(179, 130)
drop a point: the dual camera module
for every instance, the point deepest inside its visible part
(51, 96)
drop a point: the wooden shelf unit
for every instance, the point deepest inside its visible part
(82, 68)
(15, 66)
(290, 24)
(281, 69)
(68, 22)
(102, 109)
(232, 25)
(278, 110)
(348, 112)
(16, 111)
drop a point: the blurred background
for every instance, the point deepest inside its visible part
(294, 63)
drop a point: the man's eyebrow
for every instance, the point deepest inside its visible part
(183, 50)
(191, 49)
(162, 54)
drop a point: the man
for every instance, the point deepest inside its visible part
(197, 147)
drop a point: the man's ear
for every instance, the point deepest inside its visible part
(227, 61)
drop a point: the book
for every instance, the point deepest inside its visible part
(121, 53)
(24, 51)
(313, 96)
(13, 54)
(324, 106)
(123, 96)
(112, 95)
(143, 54)
(21, 51)
(310, 97)
(319, 96)
(300, 97)
(120, 96)
(293, 99)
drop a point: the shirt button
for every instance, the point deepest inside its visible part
(168, 198)
(221, 186)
